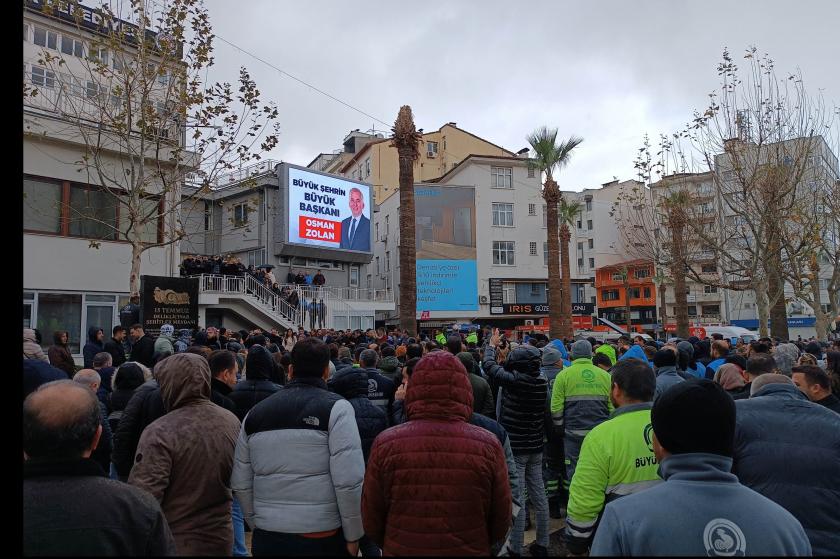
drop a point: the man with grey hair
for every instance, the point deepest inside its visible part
(70, 507)
(103, 364)
(92, 381)
(785, 356)
(380, 388)
(580, 400)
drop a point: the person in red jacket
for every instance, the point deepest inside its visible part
(437, 485)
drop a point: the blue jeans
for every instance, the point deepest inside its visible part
(529, 468)
(239, 549)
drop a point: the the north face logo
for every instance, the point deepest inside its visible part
(311, 421)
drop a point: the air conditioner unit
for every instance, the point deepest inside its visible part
(431, 154)
(529, 322)
(483, 299)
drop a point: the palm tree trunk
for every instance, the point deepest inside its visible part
(551, 195)
(406, 141)
(627, 305)
(566, 299)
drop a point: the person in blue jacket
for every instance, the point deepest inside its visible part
(561, 347)
(701, 509)
(635, 352)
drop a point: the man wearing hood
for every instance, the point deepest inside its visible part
(184, 463)
(257, 386)
(609, 351)
(786, 356)
(164, 342)
(93, 346)
(635, 352)
(461, 504)
(59, 353)
(389, 365)
(183, 341)
(687, 365)
(580, 400)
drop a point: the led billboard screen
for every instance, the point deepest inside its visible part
(329, 212)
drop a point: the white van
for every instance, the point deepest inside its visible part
(732, 332)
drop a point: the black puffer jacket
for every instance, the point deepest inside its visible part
(352, 384)
(259, 367)
(523, 404)
(144, 407)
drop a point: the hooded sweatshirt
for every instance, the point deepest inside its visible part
(561, 347)
(635, 352)
(164, 342)
(609, 351)
(371, 420)
(259, 368)
(700, 510)
(686, 355)
(666, 377)
(60, 356)
(184, 464)
(390, 367)
(92, 347)
(31, 349)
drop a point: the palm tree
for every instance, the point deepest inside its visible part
(549, 156)
(567, 212)
(407, 141)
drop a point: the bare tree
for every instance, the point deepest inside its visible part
(149, 124)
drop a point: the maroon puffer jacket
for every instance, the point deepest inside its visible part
(437, 485)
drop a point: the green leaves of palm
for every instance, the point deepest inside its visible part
(568, 211)
(548, 155)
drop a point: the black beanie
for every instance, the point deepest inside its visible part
(664, 358)
(695, 416)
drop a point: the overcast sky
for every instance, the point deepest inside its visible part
(609, 71)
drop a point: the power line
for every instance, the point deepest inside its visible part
(309, 85)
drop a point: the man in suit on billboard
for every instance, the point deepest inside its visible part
(355, 230)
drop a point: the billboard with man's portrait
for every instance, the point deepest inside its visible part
(327, 211)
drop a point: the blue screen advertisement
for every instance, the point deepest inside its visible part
(447, 277)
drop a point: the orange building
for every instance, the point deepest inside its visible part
(612, 288)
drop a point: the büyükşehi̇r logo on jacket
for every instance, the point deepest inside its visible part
(723, 538)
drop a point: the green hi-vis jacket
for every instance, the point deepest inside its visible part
(580, 398)
(616, 460)
(441, 339)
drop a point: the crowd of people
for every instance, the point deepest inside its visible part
(380, 443)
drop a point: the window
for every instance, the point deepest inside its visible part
(610, 295)
(117, 62)
(531, 171)
(545, 216)
(589, 224)
(588, 205)
(43, 77)
(501, 177)
(533, 248)
(96, 54)
(25, 31)
(579, 224)
(710, 289)
(388, 261)
(93, 214)
(44, 38)
(635, 293)
(710, 310)
(378, 271)
(591, 243)
(41, 206)
(61, 311)
(71, 46)
(537, 289)
(387, 227)
(532, 209)
(580, 247)
(376, 230)
(256, 257)
(431, 148)
(208, 216)
(163, 78)
(240, 215)
(545, 254)
(692, 310)
(503, 253)
(642, 273)
(94, 91)
(580, 262)
(508, 292)
(149, 220)
(354, 276)
(367, 167)
(502, 215)
(591, 262)
(617, 276)
(647, 292)
(708, 269)
(824, 283)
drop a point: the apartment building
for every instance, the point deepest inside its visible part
(633, 280)
(76, 266)
(376, 162)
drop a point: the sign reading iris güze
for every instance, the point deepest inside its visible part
(328, 211)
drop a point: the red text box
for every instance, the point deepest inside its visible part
(319, 229)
